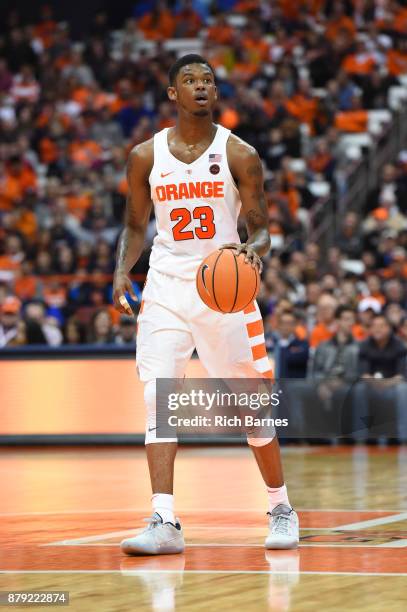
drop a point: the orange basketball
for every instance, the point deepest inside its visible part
(225, 282)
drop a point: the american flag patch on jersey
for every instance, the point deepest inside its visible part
(215, 158)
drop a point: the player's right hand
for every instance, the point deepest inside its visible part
(121, 286)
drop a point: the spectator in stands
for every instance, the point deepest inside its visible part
(126, 335)
(74, 332)
(349, 239)
(290, 353)
(367, 309)
(335, 363)
(101, 328)
(402, 330)
(326, 323)
(391, 188)
(70, 113)
(334, 370)
(31, 332)
(9, 320)
(36, 311)
(382, 366)
(394, 314)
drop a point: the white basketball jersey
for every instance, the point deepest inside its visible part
(196, 206)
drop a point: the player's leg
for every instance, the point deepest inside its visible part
(164, 347)
(244, 355)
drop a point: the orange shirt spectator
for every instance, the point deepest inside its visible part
(359, 332)
(158, 25)
(303, 108)
(117, 104)
(352, 121)
(319, 162)
(359, 63)
(291, 8)
(221, 32)
(400, 20)
(301, 332)
(123, 96)
(258, 48)
(123, 186)
(246, 6)
(84, 153)
(27, 178)
(396, 62)
(45, 32)
(292, 199)
(78, 204)
(55, 295)
(48, 151)
(188, 23)
(229, 118)
(9, 264)
(82, 95)
(269, 108)
(244, 70)
(100, 99)
(25, 284)
(27, 224)
(396, 21)
(321, 333)
(10, 191)
(15, 179)
(336, 25)
(376, 295)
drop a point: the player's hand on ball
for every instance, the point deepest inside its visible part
(121, 285)
(251, 256)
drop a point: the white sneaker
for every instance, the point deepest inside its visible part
(157, 539)
(283, 528)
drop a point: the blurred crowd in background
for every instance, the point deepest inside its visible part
(292, 77)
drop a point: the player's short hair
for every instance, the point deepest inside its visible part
(191, 58)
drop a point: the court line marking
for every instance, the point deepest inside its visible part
(222, 545)
(384, 520)
(148, 511)
(151, 571)
(394, 544)
(113, 534)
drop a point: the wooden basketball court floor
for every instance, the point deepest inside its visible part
(64, 511)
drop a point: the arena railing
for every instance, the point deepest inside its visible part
(356, 179)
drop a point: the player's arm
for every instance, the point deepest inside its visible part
(246, 168)
(138, 208)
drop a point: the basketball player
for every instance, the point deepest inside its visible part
(198, 176)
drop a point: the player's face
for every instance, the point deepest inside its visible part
(194, 90)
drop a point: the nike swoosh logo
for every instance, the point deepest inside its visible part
(167, 173)
(205, 267)
(152, 428)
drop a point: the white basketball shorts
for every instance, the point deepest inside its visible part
(173, 321)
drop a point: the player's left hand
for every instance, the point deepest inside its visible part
(251, 256)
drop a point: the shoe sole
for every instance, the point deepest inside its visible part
(139, 552)
(281, 546)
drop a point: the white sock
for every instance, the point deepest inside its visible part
(277, 496)
(163, 503)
